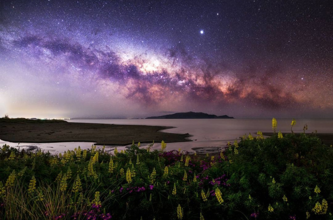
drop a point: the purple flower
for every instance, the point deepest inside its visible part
(151, 187)
(292, 217)
(254, 214)
(121, 189)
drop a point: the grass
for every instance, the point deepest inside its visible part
(280, 177)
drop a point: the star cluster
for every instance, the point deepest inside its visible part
(128, 58)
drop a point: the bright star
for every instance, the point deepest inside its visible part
(202, 32)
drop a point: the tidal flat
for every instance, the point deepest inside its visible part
(43, 131)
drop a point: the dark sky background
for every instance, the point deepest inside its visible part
(130, 58)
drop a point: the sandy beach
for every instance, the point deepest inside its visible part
(42, 131)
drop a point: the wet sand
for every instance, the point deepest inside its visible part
(43, 131)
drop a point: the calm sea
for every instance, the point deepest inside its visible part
(206, 133)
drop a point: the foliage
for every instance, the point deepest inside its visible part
(281, 177)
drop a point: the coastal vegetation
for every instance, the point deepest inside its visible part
(285, 176)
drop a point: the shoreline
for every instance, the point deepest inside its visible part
(48, 131)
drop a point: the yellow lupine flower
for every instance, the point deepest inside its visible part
(11, 179)
(324, 206)
(78, 154)
(250, 137)
(40, 196)
(317, 209)
(163, 145)
(235, 151)
(274, 123)
(115, 151)
(307, 215)
(236, 144)
(195, 178)
(285, 199)
(32, 185)
(280, 136)
(182, 158)
(11, 156)
(153, 174)
(128, 176)
(166, 171)
(179, 212)
(179, 151)
(187, 161)
(95, 158)
(93, 148)
(174, 191)
(68, 156)
(139, 144)
(97, 200)
(273, 181)
(91, 171)
(63, 183)
(58, 179)
(222, 155)
(111, 167)
(218, 195)
(203, 196)
(185, 176)
(260, 136)
(293, 122)
(317, 189)
(201, 216)
(21, 173)
(77, 186)
(69, 173)
(133, 173)
(270, 208)
(63, 161)
(84, 155)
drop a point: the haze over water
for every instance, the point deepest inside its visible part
(205, 132)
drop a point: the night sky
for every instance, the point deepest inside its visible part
(135, 58)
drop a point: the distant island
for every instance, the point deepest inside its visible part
(189, 115)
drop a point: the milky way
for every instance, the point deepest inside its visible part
(138, 58)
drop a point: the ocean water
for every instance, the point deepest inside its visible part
(210, 134)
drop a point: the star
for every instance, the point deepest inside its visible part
(202, 32)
